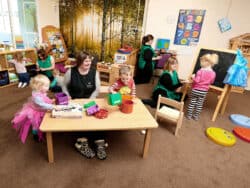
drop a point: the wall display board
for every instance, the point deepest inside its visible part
(56, 45)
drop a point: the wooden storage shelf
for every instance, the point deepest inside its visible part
(129, 59)
(241, 42)
(56, 45)
(6, 67)
(109, 73)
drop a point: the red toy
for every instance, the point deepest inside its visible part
(243, 133)
(101, 114)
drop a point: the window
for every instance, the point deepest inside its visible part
(18, 23)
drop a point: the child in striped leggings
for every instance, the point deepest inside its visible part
(201, 82)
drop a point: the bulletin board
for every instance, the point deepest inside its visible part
(56, 45)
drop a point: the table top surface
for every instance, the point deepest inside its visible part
(140, 118)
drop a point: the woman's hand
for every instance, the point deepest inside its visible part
(178, 90)
(156, 58)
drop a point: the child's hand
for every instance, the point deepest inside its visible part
(58, 107)
(193, 76)
(53, 101)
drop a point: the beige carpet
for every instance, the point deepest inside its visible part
(191, 160)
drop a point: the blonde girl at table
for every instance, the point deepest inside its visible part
(33, 111)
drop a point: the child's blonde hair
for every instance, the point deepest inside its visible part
(209, 59)
(38, 81)
(124, 70)
(18, 57)
(170, 60)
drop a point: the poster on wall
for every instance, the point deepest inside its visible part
(189, 27)
(224, 24)
(162, 44)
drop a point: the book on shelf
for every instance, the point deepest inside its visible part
(72, 110)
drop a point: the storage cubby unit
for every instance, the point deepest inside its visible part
(109, 73)
(8, 74)
(55, 41)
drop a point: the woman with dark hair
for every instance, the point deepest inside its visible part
(45, 66)
(83, 81)
(45, 63)
(145, 65)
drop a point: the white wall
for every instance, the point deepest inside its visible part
(162, 17)
(47, 14)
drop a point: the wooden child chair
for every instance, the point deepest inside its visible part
(172, 112)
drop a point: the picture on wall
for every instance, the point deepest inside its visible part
(224, 24)
(101, 27)
(189, 27)
(162, 44)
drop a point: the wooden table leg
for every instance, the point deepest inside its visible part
(50, 147)
(147, 139)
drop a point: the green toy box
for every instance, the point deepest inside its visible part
(114, 99)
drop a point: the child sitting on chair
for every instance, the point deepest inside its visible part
(204, 77)
(125, 84)
(32, 113)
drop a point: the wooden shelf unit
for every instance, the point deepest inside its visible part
(129, 59)
(6, 68)
(109, 73)
(56, 45)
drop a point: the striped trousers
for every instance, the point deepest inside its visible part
(196, 103)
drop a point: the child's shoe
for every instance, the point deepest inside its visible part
(100, 149)
(20, 84)
(24, 85)
(83, 147)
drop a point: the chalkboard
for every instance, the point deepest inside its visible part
(226, 59)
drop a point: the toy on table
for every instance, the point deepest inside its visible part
(61, 98)
(242, 132)
(91, 107)
(240, 120)
(114, 99)
(127, 106)
(71, 110)
(221, 136)
(92, 110)
(101, 114)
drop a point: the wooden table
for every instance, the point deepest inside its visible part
(139, 119)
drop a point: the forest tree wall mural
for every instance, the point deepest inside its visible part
(101, 26)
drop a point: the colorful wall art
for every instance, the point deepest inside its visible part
(189, 27)
(224, 24)
(162, 44)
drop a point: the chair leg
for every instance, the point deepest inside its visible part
(179, 123)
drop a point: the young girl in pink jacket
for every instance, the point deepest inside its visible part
(204, 77)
